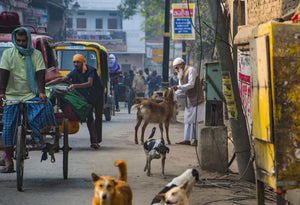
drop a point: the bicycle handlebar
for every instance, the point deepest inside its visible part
(20, 101)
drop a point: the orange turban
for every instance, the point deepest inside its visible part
(79, 57)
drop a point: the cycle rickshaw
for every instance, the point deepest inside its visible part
(23, 139)
(42, 42)
(126, 94)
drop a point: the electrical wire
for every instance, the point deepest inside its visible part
(199, 71)
(251, 159)
(241, 190)
(197, 87)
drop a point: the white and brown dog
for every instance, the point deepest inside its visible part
(176, 195)
(155, 149)
(191, 176)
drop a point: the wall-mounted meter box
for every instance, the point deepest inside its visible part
(213, 94)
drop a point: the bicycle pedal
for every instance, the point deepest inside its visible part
(44, 156)
(52, 158)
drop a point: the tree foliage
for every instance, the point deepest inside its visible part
(153, 25)
(152, 10)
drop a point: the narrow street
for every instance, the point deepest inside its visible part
(44, 183)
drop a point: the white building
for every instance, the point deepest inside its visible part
(100, 20)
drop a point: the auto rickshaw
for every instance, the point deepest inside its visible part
(96, 56)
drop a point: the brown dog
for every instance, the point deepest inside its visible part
(111, 191)
(150, 111)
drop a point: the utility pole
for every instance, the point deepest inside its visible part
(184, 51)
(241, 140)
(166, 51)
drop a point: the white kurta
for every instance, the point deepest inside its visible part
(191, 113)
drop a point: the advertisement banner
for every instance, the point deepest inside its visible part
(244, 82)
(182, 21)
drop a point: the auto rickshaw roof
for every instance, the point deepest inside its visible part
(36, 33)
(81, 43)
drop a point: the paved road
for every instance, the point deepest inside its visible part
(44, 183)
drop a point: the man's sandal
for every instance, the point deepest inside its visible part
(2, 162)
(7, 169)
(95, 146)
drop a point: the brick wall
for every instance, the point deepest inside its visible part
(259, 11)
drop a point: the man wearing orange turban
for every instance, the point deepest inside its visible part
(80, 58)
(86, 81)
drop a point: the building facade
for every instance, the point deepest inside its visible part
(101, 21)
(39, 13)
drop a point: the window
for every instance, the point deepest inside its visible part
(81, 23)
(65, 57)
(126, 68)
(99, 23)
(113, 14)
(112, 24)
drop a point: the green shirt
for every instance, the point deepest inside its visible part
(13, 61)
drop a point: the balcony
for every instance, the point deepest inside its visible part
(114, 41)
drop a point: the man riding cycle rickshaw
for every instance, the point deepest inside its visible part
(26, 107)
(22, 73)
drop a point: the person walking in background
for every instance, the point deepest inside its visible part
(115, 73)
(138, 84)
(189, 83)
(174, 79)
(126, 80)
(87, 82)
(153, 81)
(22, 77)
(131, 75)
(146, 73)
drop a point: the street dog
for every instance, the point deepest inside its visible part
(176, 195)
(112, 191)
(190, 175)
(155, 149)
(150, 111)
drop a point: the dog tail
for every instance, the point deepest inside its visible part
(136, 106)
(122, 165)
(152, 133)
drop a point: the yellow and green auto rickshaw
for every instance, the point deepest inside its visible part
(96, 56)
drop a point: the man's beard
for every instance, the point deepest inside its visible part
(180, 73)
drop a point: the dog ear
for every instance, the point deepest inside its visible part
(184, 185)
(115, 182)
(161, 196)
(94, 177)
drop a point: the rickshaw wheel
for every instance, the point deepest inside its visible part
(113, 107)
(20, 155)
(65, 149)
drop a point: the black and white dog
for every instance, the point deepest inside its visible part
(155, 149)
(190, 175)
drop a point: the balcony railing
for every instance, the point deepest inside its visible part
(114, 41)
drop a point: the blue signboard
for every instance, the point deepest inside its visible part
(182, 19)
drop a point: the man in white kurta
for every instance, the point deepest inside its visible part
(189, 84)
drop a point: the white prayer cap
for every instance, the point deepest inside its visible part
(178, 61)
